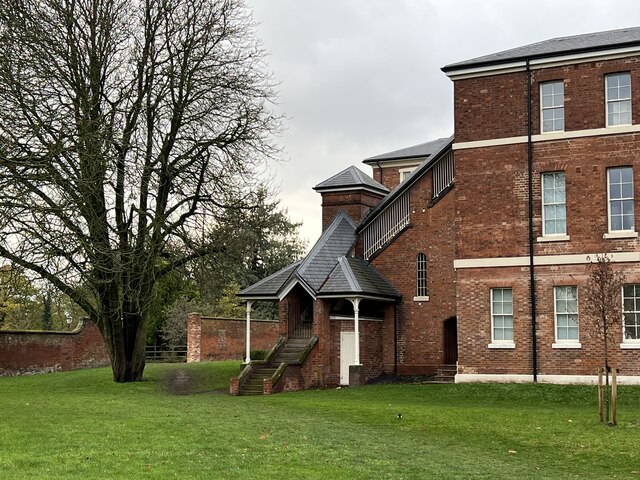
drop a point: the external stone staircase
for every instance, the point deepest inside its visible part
(253, 385)
(290, 353)
(445, 374)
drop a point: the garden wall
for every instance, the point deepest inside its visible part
(211, 338)
(28, 352)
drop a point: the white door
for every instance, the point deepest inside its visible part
(347, 355)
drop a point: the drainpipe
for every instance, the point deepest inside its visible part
(532, 278)
(380, 170)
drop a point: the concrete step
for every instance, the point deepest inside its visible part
(446, 374)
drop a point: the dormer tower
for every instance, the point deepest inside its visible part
(351, 191)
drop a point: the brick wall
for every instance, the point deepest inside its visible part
(211, 338)
(474, 325)
(496, 106)
(24, 352)
(420, 323)
(492, 213)
(389, 176)
(356, 204)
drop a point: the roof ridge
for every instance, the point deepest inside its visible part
(322, 240)
(348, 274)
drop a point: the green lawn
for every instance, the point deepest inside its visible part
(178, 424)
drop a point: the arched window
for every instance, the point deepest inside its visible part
(421, 275)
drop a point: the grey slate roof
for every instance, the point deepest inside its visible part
(416, 151)
(354, 276)
(269, 287)
(327, 269)
(351, 177)
(556, 46)
(335, 241)
(444, 145)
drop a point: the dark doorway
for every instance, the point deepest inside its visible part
(300, 316)
(450, 337)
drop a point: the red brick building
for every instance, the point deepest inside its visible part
(477, 269)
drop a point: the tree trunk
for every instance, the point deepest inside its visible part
(125, 340)
(128, 359)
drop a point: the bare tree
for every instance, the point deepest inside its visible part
(123, 124)
(603, 308)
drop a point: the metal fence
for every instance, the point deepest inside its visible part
(166, 354)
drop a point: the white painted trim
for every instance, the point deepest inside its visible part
(247, 340)
(350, 317)
(544, 175)
(292, 283)
(573, 58)
(484, 71)
(351, 189)
(620, 234)
(410, 162)
(551, 379)
(546, 137)
(553, 238)
(567, 345)
(542, 109)
(407, 170)
(543, 260)
(585, 379)
(492, 142)
(504, 343)
(498, 345)
(356, 294)
(606, 98)
(421, 299)
(546, 62)
(629, 346)
(492, 378)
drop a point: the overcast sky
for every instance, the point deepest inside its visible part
(362, 77)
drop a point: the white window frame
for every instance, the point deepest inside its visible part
(620, 233)
(553, 236)
(565, 343)
(618, 100)
(422, 292)
(552, 107)
(405, 173)
(501, 343)
(631, 342)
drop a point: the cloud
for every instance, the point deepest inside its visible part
(359, 78)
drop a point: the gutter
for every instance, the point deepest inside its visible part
(532, 278)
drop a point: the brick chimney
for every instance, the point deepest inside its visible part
(351, 191)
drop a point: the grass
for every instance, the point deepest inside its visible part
(180, 424)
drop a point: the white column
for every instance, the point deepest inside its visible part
(356, 327)
(248, 338)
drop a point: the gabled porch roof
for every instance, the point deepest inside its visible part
(268, 288)
(328, 270)
(354, 277)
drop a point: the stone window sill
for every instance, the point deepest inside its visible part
(421, 299)
(504, 345)
(615, 235)
(568, 345)
(630, 346)
(555, 238)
